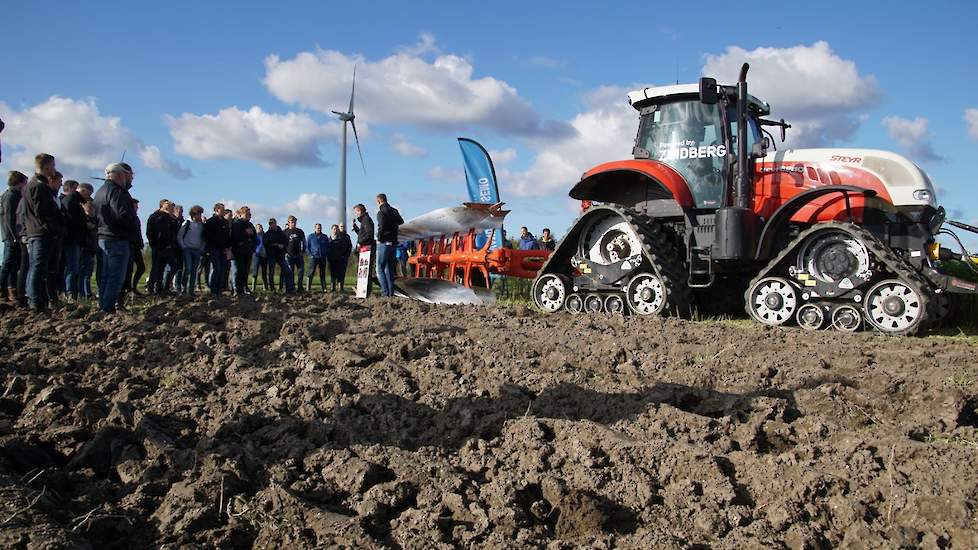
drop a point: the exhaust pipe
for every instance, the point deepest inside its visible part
(737, 225)
(742, 199)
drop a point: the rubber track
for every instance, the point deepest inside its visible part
(904, 272)
(665, 258)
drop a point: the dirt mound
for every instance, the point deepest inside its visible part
(326, 421)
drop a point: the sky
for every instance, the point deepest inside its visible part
(230, 101)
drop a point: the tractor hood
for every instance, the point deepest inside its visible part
(904, 182)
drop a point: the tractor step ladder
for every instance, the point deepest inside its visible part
(700, 268)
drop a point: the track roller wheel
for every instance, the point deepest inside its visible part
(574, 304)
(893, 307)
(549, 292)
(846, 319)
(614, 304)
(645, 294)
(593, 303)
(772, 301)
(810, 317)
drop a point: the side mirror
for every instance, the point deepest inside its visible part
(708, 91)
(784, 127)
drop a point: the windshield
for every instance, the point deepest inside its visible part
(688, 136)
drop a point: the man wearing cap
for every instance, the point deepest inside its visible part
(118, 229)
(44, 226)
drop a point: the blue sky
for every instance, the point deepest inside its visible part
(190, 91)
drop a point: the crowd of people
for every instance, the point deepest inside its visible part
(58, 233)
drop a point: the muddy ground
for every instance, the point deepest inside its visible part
(327, 421)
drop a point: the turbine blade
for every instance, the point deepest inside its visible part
(354, 88)
(357, 139)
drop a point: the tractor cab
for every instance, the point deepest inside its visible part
(696, 139)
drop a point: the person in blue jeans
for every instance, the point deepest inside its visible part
(44, 224)
(191, 241)
(9, 203)
(388, 220)
(260, 264)
(318, 246)
(118, 229)
(75, 221)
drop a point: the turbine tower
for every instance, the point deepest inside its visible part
(348, 116)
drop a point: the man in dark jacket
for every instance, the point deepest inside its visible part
(161, 233)
(56, 271)
(137, 266)
(118, 230)
(318, 246)
(9, 272)
(295, 250)
(388, 220)
(243, 242)
(547, 241)
(340, 249)
(45, 226)
(75, 222)
(365, 237)
(365, 229)
(217, 235)
(275, 243)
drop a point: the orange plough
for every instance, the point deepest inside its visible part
(457, 259)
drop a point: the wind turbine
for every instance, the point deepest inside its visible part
(348, 117)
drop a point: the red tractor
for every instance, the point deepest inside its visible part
(823, 238)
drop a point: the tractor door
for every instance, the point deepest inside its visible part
(688, 136)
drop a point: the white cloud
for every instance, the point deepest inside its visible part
(153, 158)
(425, 45)
(913, 136)
(310, 208)
(405, 148)
(406, 88)
(270, 139)
(80, 137)
(971, 118)
(604, 132)
(313, 206)
(502, 157)
(451, 175)
(819, 93)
